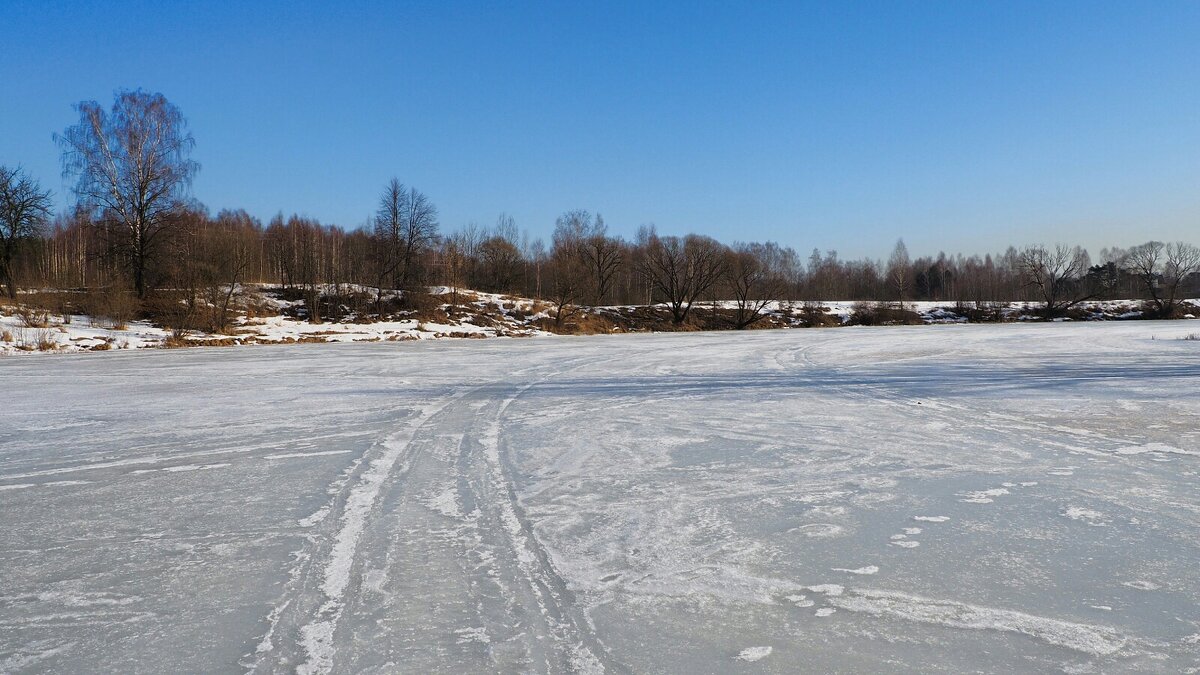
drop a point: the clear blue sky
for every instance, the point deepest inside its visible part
(964, 126)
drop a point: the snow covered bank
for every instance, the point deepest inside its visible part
(471, 314)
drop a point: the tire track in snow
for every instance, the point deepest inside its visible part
(575, 646)
(569, 624)
(537, 595)
(326, 575)
(357, 499)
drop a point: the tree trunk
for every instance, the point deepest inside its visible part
(6, 274)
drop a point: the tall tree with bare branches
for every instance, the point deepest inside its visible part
(1163, 269)
(1055, 274)
(568, 272)
(132, 169)
(406, 227)
(680, 270)
(24, 211)
(899, 271)
(603, 256)
(757, 275)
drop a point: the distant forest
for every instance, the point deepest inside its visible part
(134, 236)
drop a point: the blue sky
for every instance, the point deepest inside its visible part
(963, 126)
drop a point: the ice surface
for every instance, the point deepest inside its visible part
(648, 503)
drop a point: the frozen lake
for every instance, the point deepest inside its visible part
(956, 498)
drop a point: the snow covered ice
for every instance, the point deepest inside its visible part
(963, 498)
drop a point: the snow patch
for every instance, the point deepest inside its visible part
(469, 635)
(1094, 640)
(190, 467)
(1088, 516)
(800, 600)
(753, 654)
(445, 503)
(819, 530)
(299, 455)
(17, 486)
(982, 496)
(1155, 447)
(869, 569)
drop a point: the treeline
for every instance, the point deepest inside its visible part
(134, 236)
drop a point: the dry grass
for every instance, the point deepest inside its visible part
(36, 340)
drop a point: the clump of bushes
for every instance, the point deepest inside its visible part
(813, 314)
(111, 307)
(882, 314)
(32, 317)
(980, 312)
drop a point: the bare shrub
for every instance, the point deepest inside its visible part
(178, 338)
(44, 340)
(980, 312)
(35, 340)
(813, 314)
(32, 317)
(882, 314)
(111, 307)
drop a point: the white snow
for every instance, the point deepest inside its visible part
(1089, 639)
(869, 569)
(1089, 516)
(644, 503)
(753, 654)
(983, 496)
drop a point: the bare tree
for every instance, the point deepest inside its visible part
(454, 263)
(757, 275)
(24, 211)
(506, 228)
(405, 229)
(131, 167)
(1055, 275)
(566, 265)
(899, 271)
(603, 256)
(230, 251)
(534, 253)
(1163, 269)
(681, 270)
(501, 263)
(468, 240)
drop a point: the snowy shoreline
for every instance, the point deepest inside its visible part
(501, 316)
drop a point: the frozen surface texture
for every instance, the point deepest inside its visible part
(954, 498)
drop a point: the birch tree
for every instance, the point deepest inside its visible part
(132, 171)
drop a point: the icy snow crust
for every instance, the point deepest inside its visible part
(959, 498)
